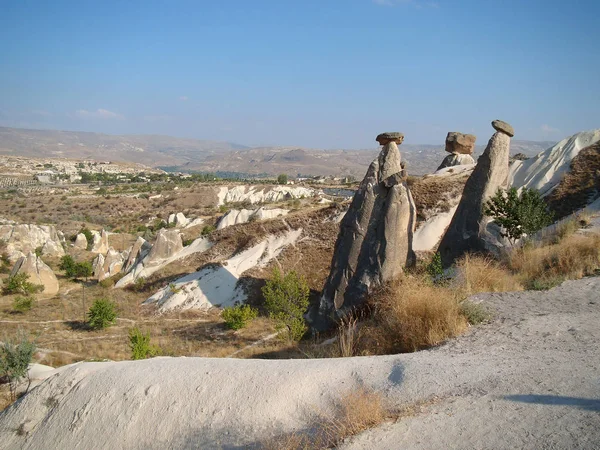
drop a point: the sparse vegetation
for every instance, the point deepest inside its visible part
(475, 313)
(207, 229)
(102, 314)
(237, 317)
(286, 300)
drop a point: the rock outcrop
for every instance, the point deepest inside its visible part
(109, 265)
(81, 242)
(375, 239)
(460, 146)
(236, 216)
(100, 242)
(138, 251)
(39, 273)
(179, 220)
(470, 230)
(22, 239)
(168, 242)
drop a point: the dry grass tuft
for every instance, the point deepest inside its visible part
(354, 412)
(573, 257)
(480, 274)
(412, 314)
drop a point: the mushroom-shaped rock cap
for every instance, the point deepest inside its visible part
(500, 125)
(392, 136)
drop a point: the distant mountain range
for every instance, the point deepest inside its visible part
(188, 155)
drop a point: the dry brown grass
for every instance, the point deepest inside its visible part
(354, 412)
(482, 274)
(573, 257)
(411, 314)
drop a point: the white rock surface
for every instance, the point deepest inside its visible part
(152, 263)
(236, 217)
(429, 233)
(39, 273)
(217, 286)
(529, 379)
(100, 244)
(195, 222)
(80, 242)
(22, 239)
(251, 194)
(545, 170)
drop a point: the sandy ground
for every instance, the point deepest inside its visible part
(529, 379)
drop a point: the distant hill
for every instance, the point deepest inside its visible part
(212, 156)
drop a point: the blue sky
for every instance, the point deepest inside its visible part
(314, 73)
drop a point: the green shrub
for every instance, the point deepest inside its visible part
(74, 269)
(435, 268)
(286, 300)
(38, 251)
(545, 283)
(18, 284)
(102, 314)
(238, 316)
(139, 284)
(518, 214)
(207, 230)
(23, 304)
(139, 343)
(187, 242)
(282, 178)
(15, 357)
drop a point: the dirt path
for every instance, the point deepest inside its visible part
(530, 379)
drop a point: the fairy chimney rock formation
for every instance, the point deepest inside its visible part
(375, 239)
(460, 146)
(469, 230)
(39, 273)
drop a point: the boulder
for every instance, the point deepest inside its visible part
(460, 143)
(181, 220)
(375, 239)
(109, 265)
(81, 242)
(390, 136)
(456, 159)
(171, 219)
(470, 230)
(138, 251)
(168, 242)
(38, 271)
(100, 242)
(500, 125)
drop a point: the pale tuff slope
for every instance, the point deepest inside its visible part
(529, 379)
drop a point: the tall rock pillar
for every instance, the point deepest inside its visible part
(375, 239)
(469, 229)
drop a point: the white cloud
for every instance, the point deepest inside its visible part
(548, 129)
(183, 98)
(98, 114)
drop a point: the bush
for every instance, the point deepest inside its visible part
(286, 300)
(18, 284)
(74, 269)
(23, 304)
(282, 179)
(435, 268)
(139, 343)
(15, 357)
(207, 230)
(518, 215)
(102, 314)
(238, 316)
(38, 251)
(475, 313)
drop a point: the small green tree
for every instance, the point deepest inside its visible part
(102, 314)
(238, 316)
(282, 178)
(435, 269)
(139, 343)
(88, 236)
(286, 300)
(518, 215)
(15, 357)
(18, 284)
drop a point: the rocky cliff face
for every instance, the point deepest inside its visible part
(22, 238)
(375, 239)
(470, 230)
